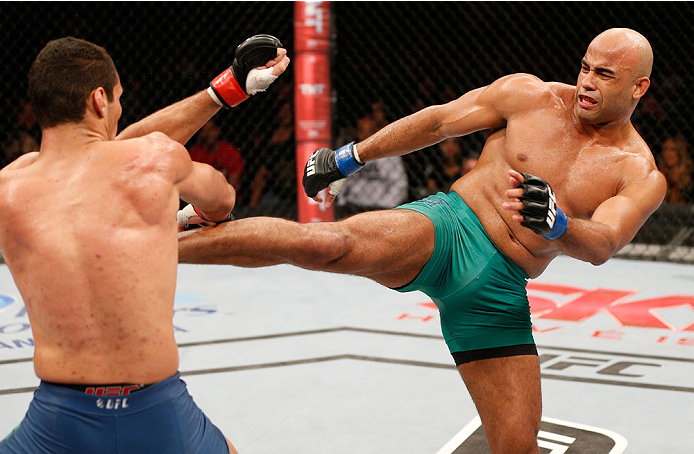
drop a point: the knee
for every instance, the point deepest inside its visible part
(323, 247)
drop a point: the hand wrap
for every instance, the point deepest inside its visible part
(237, 83)
(540, 212)
(189, 211)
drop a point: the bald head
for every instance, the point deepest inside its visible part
(615, 75)
(628, 47)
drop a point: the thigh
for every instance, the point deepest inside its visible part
(507, 394)
(390, 246)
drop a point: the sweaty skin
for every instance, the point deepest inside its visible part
(89, 233)
(90, 239)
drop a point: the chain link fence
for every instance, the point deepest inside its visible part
(389, 60)
(165, 52)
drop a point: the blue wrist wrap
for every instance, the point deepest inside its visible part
(559, 227)
(344, 158)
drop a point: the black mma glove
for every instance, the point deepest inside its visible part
(326, 166)
(241, 80)
(540, 212)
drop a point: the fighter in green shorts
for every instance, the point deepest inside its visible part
(480, 293)
(562, 171)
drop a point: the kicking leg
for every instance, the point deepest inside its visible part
(390, 246)
(506, 392)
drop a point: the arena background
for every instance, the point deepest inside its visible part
(395, 57)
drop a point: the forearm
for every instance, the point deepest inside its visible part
(180, 120)
(588, 241)
(408, 134)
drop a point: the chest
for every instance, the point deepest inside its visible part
(581, 172)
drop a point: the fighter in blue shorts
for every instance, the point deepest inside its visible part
(114, 419)
(564, 172)
(89, 234)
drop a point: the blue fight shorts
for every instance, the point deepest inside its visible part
(160, 418)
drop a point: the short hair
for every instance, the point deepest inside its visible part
(62, 77)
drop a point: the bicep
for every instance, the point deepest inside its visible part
(470, 113)
(627, 211)
(490, 107)
(194, 179)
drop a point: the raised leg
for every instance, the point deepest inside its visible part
(390, 247)
(507, 394)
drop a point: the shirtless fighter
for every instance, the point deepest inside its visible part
(89, 233)
(565, 172)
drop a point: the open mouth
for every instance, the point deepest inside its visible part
(586, 101)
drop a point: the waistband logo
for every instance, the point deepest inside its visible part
(112, 404)
(112, 390)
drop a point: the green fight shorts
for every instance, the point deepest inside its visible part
(480, 293)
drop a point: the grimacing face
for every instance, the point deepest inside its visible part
(614, 75)
(603, 89)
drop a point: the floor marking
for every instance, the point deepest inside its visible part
(384, 332)
(458, 445)
(394, 361)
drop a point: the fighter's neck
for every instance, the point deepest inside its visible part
(70, 136)
(612, 131)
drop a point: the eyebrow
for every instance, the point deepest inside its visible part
(599, 69)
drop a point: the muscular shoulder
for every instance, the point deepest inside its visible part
(161, 143)
(170, 154)
(159, 146)
(23, 161)
(639, 170)
(520, 93)
(156, 152)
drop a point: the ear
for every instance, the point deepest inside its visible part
(641, 87)
(99, 101)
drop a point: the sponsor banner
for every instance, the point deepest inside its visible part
(312, 97)
(311, 62)
(552, 305)
(312, 27)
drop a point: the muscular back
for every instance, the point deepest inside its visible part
(541, 137)
(90, 238)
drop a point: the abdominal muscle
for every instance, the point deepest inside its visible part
(483, 189)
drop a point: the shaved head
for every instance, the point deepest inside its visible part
(615, 75)
(629, 48)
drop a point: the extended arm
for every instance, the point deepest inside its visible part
(474, 111)
(181, 120)
(483, 108)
